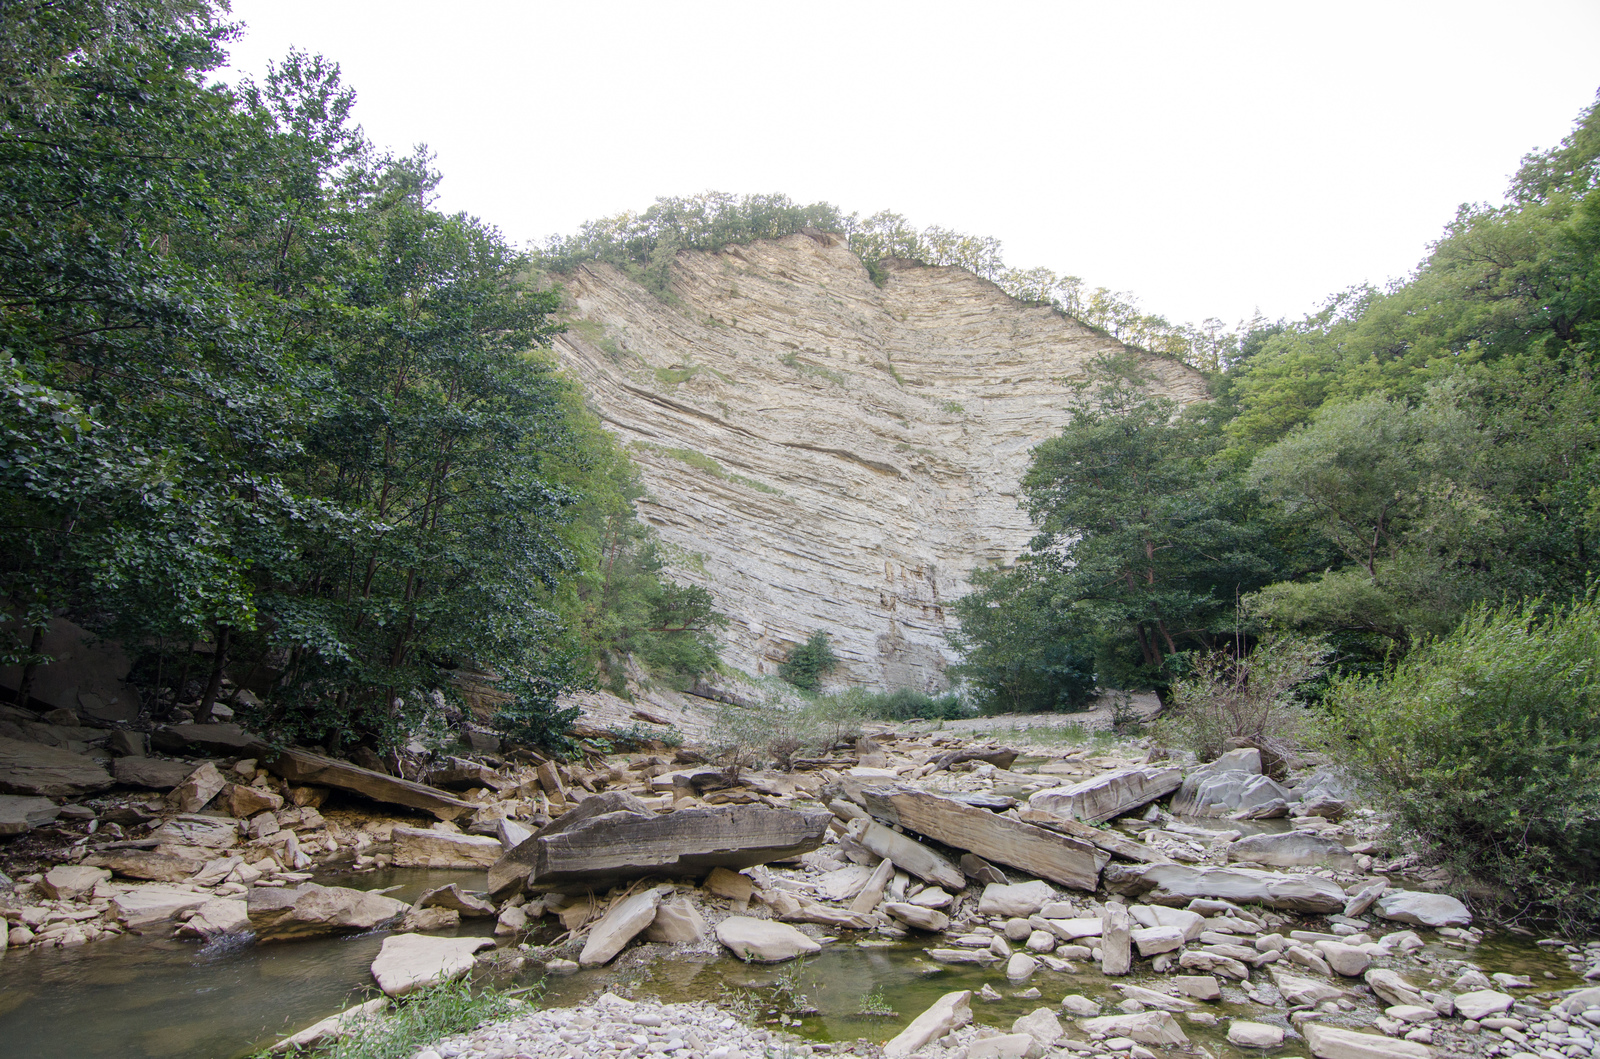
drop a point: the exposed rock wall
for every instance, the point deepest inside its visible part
(867, 442)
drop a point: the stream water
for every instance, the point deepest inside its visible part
(148, 997)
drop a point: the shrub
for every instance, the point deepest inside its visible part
(809, 662)
(1485, 745)
(1228, 702)
(420, 1019)
(908, 704)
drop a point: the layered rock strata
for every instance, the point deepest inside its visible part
(833, 454)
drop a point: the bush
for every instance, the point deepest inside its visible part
(420, 1019)
(1229, 702)
(809, 662)
(1485, 745)
(908, 704)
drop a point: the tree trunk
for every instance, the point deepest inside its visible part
(219, 663)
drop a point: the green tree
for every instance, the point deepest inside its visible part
(809, 662)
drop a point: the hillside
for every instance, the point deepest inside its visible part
(838, 455)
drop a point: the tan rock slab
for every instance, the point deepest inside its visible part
(917, 916)
(620, 925)
(1108, 795)
(150, 773)
(1147, 1027)
(332, 1027)
(142, 907)
(410, 961)
(677, 921)
(66, 882)
(20, 813)
(949, 1012)
(305, 768)
(197, 789)
(282, 913)
(1334, 1042)
(36, 769)
(762, 940)
(416, 847)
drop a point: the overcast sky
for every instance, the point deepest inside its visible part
(1211, 158)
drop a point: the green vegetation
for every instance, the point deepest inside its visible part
(419, 1019)
(792, 360)
(953, 407)
(906, 704)
(644, 245)
(809, 662)
(1485, 744)
(263, 397)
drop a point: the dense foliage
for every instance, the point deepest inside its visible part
(261, 396)
(1365, 476)
(1486, 744)
(807, 663)
(644, 245)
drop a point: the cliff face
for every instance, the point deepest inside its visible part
(841, 456)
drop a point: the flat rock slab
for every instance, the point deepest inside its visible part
(1333, 1042)
(146, 864)
(619, 926)
(198, 788)
(1481, 1003)
(411, 961)
(949, 1012)
(1146, 1027)
(20, 813)
(1299, 893)
(150, 773)
(303, 767)
(999, 839)
(907, 854)
(218, 917)
(33, 768)
(1423, 909)
(1292, 849)
(611, 847)
(1105, 797)
(332, 1027)
(762, 940)
(416, 847)
(677, 921)
(202, 739)
(148, 906)
(307, 910)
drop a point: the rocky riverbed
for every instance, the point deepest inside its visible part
(1107, 898)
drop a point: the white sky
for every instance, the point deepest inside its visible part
(1209, 157)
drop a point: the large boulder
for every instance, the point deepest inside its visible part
(762, 940)
(33, 768)
(1215, 793)
(199, 740)
(1481, 1003)
(1423, 909)
(1292, 849)
(411, 961)
(416, 847)
(86, 673)
(147, 864)
(677, 921)
(196, 829)
(280, 914)
(216, 918)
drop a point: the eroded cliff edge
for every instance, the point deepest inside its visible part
(841, 455)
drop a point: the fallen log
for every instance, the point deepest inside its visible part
(302, 767)
(1004, 840)
(1117, 845)
(1100, 799)
(609, 847)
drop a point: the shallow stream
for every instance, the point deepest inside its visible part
(148, 997)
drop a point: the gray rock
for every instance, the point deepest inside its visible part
(1333, 1042)
(949, 1012)
(33, 768)
(156, 774)
(1254, 1035)
(1020, 899)
(1482, 1003)
(20, 813)
(1291, 849)
(1216, 794)
(1423, 909)
(762, 940)
(619, 926)
(1147, 1027)
(677, 921)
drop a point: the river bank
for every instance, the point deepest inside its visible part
(1225, 941)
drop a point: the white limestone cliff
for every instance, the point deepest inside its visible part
(842, 456)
